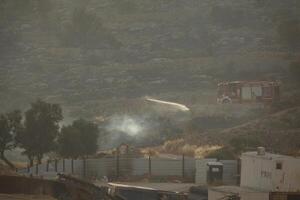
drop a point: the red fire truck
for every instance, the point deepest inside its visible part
(248, 92)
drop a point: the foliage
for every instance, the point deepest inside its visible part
(78, 139)
(40, 129)
(69, 142)
(10, 125)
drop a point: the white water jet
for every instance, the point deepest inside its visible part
(177, 106)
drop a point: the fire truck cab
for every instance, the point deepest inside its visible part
(248, 92)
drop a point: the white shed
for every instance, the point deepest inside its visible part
(270, 172)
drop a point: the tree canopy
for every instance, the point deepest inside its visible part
(10, 125)
(78, 139)
(40, 129)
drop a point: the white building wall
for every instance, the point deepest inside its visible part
(260, 172)
(291, 177)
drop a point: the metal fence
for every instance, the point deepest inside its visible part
(115, 167)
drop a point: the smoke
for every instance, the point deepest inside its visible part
(126, 124)
(150, 127)
(171, 105)
(126, 129)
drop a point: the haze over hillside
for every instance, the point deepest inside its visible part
(100, 59)
(95, 56)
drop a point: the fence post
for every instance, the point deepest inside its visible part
(84, 167)
(63, 165)
(183, 165)
(72, 166)
(47, 166)
(36, 168)
(55, 165)
(117, 164)
(149, 165)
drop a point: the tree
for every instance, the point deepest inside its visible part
(78, 139)
(69, 142)
(10, 125)
(40, 129)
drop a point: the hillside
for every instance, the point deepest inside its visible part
(278, 132)
(95, 57)
(99, 59)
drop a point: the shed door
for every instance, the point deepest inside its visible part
(257, 91)
(279, 176)
(246, 93)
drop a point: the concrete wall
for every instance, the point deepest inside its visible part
(260, 172)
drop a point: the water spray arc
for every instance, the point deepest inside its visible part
(177, 106)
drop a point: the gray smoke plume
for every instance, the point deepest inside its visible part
(160, 121)
(129, 125)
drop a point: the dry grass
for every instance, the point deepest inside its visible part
(277, 132)
(179, 146)
(203, 151)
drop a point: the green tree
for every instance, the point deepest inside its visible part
(69, 142)
(40, 129)
(78, 139)
(10, 125)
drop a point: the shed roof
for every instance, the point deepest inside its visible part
(268, 156)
